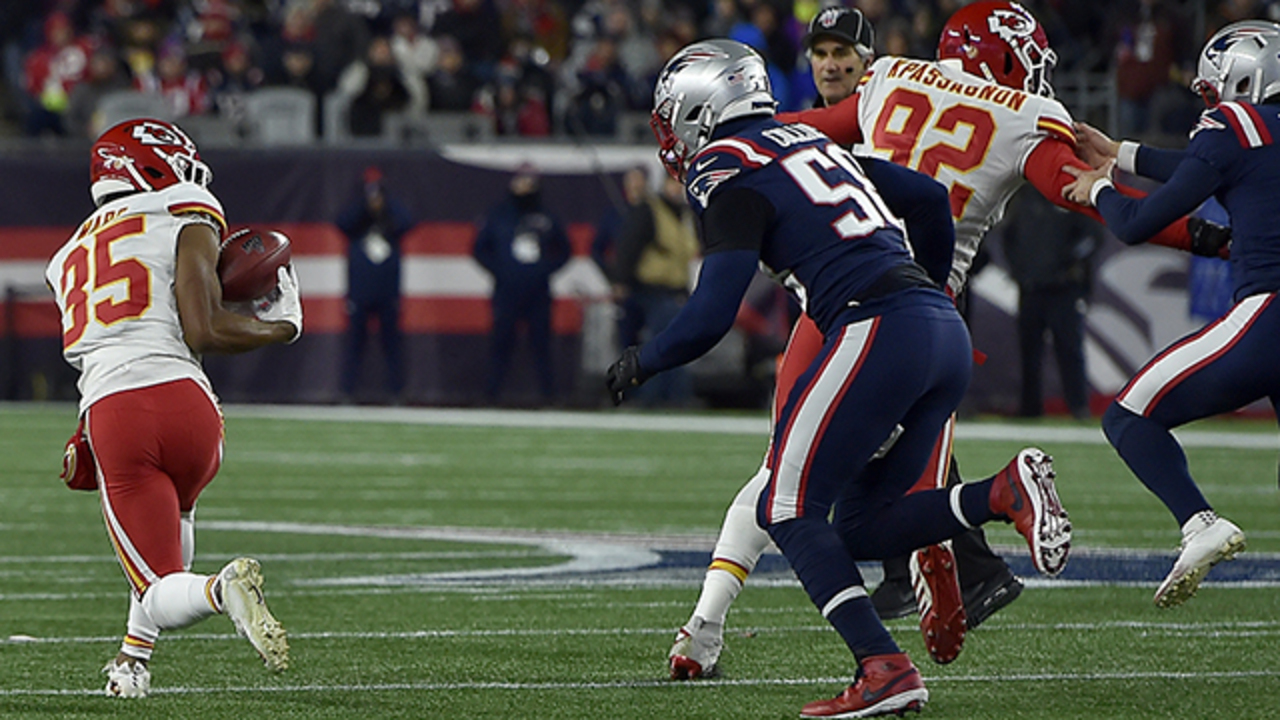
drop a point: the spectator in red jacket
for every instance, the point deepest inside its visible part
(51, 71)
(184, 90)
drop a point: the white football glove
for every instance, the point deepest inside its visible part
(287, 305)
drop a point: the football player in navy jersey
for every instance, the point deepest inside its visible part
(1233, 157)
(896, 358)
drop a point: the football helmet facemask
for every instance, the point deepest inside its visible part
(1240, 62)
(143, 155)
(701, 86)
(1002, 42)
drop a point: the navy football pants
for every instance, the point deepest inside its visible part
(1222, 367)
(908, 366)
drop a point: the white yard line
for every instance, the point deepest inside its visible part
(678, 687)
(1225, 628)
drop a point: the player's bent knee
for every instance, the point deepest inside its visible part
(1115, 422)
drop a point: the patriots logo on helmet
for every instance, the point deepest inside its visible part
(1224, 43)
(691, 57)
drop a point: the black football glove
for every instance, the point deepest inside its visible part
(1208, 239)
(624, 374)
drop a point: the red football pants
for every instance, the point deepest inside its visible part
(803, 346)
(156, 448)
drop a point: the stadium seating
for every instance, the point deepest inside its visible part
(444, 128)
(281, 116)
(210, 130)
(116, 107)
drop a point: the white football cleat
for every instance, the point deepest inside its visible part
(1206, 540)
(127, 679)
(696, 650)
(1024, 493)
(242, 601)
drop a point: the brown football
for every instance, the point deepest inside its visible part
(248, 260)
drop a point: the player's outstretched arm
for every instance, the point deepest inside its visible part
(733, 228)
(1095, 148)
(206, 325)
(701, 323)
(838, 122)
(1053, 166)
(1133, 220)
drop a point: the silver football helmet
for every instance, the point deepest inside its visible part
(702, 86)
(1240, 62)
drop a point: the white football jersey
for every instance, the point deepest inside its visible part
(113, 283)
(971, 135)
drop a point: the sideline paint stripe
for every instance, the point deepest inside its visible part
(677, 687)
(685, 423)
(681, 423)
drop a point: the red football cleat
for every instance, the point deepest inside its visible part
(938, 598)
(889, 684)
(684, 668)
(1024, 493)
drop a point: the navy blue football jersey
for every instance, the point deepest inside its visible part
(1239, 141)
(1233, 156)
(831, 235)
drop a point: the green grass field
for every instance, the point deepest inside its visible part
(477, 565)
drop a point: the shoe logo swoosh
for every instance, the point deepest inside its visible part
(869, 697)
(1017, 494)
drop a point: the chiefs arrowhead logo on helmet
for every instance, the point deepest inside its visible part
(1010, 24)
(150, 132)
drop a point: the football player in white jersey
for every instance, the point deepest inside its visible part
(982, 121)
(138, 291)
(839, 45)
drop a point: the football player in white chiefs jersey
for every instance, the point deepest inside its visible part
(982, 121)
(140, 299)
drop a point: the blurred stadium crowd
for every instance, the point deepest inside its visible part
(529, 68)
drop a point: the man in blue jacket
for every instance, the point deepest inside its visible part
(373, 224)
(522, 246)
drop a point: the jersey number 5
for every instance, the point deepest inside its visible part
(79, 275)
(810, 166)
(918, 108)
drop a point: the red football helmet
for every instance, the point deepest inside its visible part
(1002, 42)
(143, 155)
